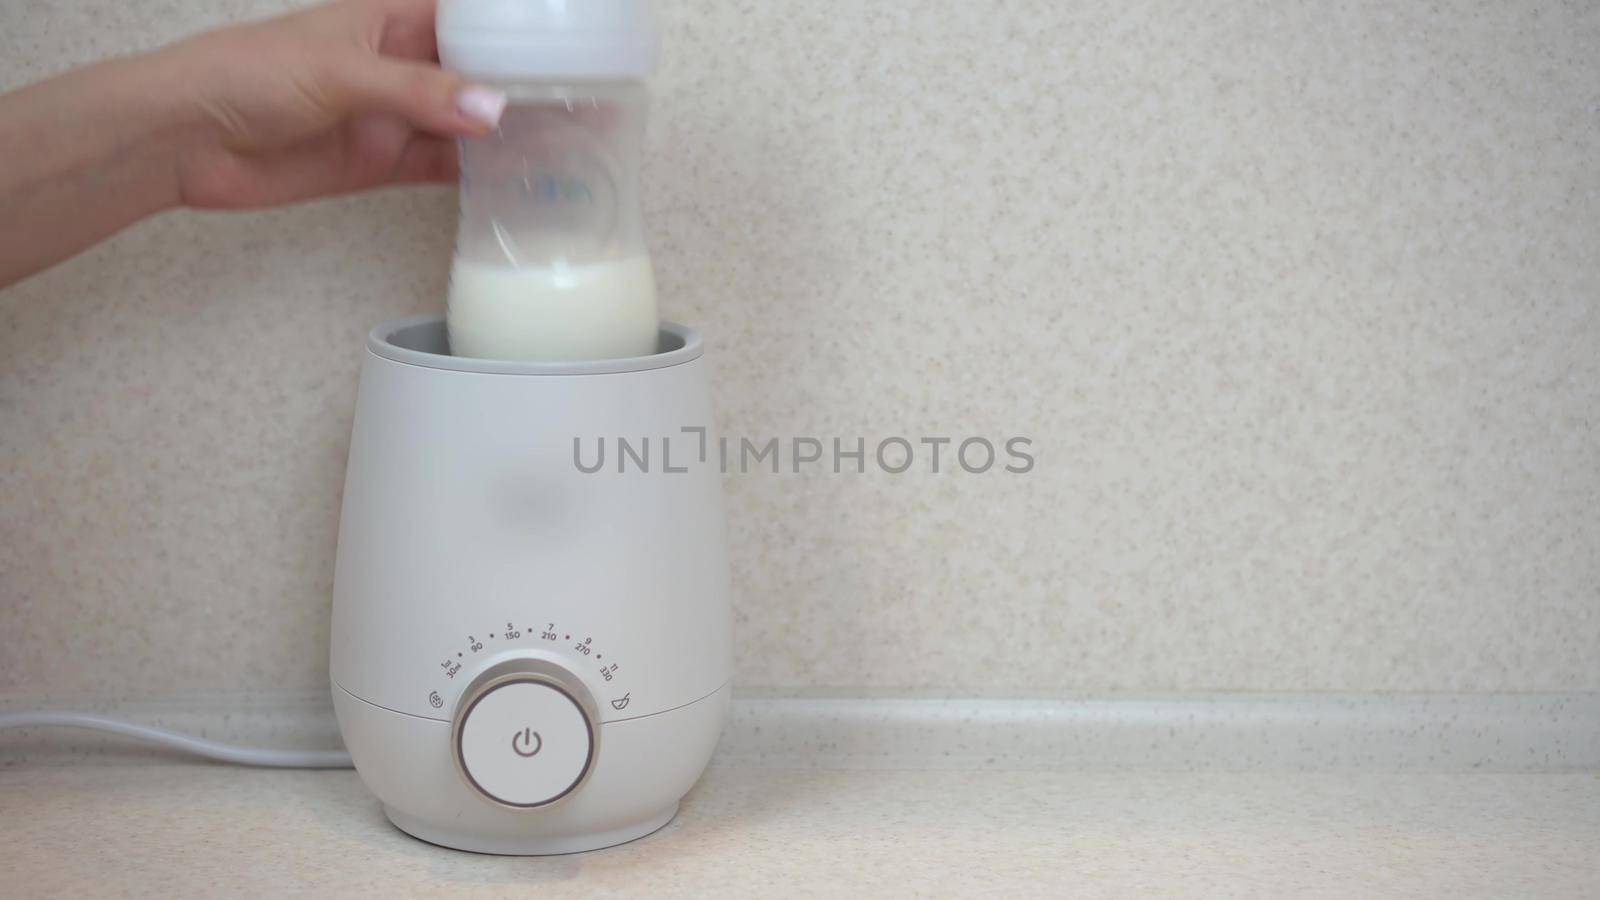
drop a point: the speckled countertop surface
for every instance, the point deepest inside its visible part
(169, 828)
(1304, 795)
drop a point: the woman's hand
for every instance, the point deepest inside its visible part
(337, 98)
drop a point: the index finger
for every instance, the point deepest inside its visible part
(405, 28)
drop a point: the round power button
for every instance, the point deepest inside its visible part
(524, 741)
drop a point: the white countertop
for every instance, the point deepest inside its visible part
(1334, 795)
(94, 827)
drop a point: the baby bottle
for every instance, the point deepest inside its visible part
(550, 258)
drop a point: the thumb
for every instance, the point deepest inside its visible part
(427, 96)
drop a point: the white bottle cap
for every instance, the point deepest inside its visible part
(549, 40)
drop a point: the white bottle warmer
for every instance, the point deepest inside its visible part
(529, 657)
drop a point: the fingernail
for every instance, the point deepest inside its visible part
(483, 104)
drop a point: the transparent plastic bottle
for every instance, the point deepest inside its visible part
(550, 259)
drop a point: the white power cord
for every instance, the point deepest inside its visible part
(187, 743)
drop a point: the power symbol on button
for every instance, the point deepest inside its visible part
(526, 738)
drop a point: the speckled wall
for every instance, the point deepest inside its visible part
(1299, 305)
